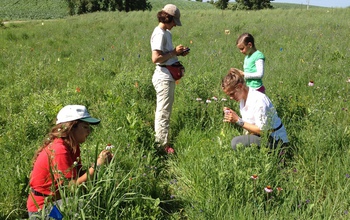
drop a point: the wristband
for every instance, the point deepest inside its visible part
(240, 122)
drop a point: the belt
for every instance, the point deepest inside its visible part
(276, 129)
(36, 193)
(161, 65)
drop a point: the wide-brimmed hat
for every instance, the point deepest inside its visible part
(75, 112)
(173, 11)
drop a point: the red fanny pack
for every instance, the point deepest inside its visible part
(177, 70)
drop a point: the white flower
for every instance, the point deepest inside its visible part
(223, 99)
(208, 101)
(198, 99)
(109, 147)
(214, 98)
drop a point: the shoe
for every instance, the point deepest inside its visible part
(169, 150)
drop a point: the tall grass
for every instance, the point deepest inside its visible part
(103, 61)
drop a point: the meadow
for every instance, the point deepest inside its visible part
(103, 60)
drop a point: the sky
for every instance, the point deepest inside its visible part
(325, 3)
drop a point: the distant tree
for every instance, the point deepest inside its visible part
(86, 6)
(221, 4)
(253, 4)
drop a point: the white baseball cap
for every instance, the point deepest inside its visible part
(173, 11)
(75, 112)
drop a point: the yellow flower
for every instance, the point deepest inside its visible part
(227, 32)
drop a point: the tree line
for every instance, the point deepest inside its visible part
(87, 6)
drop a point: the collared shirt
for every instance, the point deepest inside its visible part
(258, 110)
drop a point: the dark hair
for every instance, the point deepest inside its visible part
(164, 17)
(232, 78)
(245, 38)
(64, 131)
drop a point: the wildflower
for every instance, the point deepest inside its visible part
(214, 98)
(223, 99)
(109, 147)
(191, 42)
(268, 189)
(58, 59)
(169, 150)
(254, 177)
(346, 212)
(103, 58)
(281, 49)
(311, 83)
(307, 201)
(172, 196)
(208, 101)
(136, 85)
(295, 170)
(75, 163)
(279, 189)
(198, 99)
(227, 32)
(42, 23)
(347, 175)
(77, 89)
(348, 81)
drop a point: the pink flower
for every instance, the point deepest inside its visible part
(254, 177)
(311, 83)
(169, 150)
(268, 189)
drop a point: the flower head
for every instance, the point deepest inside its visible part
(227, 32)
(254, 177)
(109, 147)
(279, 189)
(198, 99)
(208, 101)
(268, 189)
(311, 83)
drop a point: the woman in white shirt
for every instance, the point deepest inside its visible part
(258, 113)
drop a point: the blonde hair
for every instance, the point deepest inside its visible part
(232, 78)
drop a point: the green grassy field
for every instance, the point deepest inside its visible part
(103, 60)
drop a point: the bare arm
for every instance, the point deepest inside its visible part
(104, 157)
(159, 56)
(232, 117)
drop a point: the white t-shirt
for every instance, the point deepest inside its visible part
(258, 110)
(162, 40)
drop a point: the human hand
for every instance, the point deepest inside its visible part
(230, 115)
(104, 157)
(179, 49)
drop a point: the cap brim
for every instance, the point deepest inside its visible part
(90, 120)
(177, 22)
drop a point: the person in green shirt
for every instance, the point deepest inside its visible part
(253, 67)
